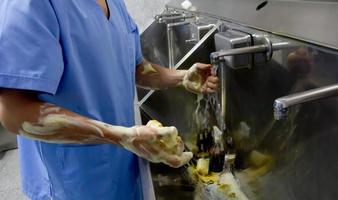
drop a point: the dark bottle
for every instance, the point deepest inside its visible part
(217, 152)
(208, 140)
(200, 142)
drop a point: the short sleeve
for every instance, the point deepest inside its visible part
(30, 52)
(138, 49)
(137, 40)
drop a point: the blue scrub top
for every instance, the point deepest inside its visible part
(74, 57)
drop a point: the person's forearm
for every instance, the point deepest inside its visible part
(24, 114)
(153, 76)
(46, 122)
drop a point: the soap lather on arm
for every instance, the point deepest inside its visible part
(21, 113)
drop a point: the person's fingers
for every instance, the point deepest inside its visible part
(199, 72)
(177, 161)
(213, 79)
(31, 136)
(172, 161)
(174, 146)
(194, 87)
(204, 73)
(146, 133)
(211, 85)
(195, 76)
(151, 148)
(172, 142)
(154, 123)
(208, 90)
(142, 151)
(167, 131)
(216, 87)
(203, 89)
(180, 146)
(186, 157)
(203, 66)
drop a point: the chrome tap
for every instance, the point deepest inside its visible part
(218, 60)
(282, 104)
(220, 63)
(267, 48)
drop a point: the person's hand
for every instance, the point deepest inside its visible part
(157, 144)
(200, 79)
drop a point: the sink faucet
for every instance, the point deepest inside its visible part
(267, 48)
(217, 59)
(282, 104)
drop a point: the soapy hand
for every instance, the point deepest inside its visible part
(154, 142)
(200, 79)
(157, 144)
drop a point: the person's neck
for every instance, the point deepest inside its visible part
(104, 5)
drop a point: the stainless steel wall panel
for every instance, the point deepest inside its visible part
(315, 22)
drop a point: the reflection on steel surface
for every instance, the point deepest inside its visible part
(172, 20)
(171, 41)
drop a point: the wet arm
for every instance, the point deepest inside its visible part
(153, 76)
(198, 79)
(22, 113)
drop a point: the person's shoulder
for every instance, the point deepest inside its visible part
(27, 11)
(23, 8)
(30, 4)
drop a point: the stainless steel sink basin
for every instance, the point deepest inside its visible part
(168, 183)
(303, 146)
(165, 105)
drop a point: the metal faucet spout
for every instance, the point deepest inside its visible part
(268, 48)
(282, 104)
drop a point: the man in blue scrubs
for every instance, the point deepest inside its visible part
(68, 70)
